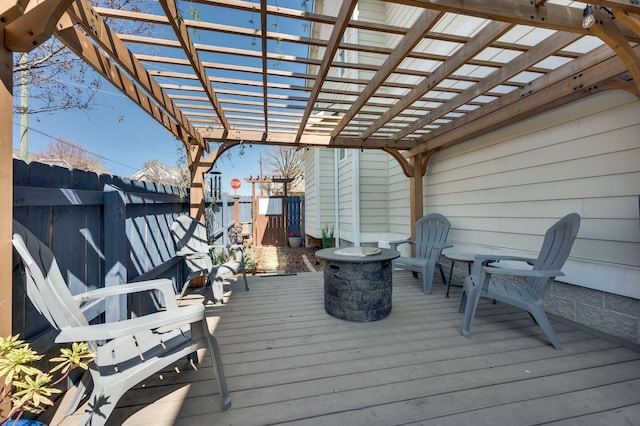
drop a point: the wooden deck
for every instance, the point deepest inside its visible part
(287, 361)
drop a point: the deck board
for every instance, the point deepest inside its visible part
(289, 362)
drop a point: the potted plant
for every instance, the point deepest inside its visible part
(295, 239)
(28, 387)
(327, 236)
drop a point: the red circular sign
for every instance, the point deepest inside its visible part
(235, 183)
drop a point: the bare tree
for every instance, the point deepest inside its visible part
(155, 171)
(69, 154)
(57, 79)
(289, 163)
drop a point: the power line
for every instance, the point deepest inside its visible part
(80, 148)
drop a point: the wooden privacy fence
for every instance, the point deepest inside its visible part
(219, 216)
(104, 231)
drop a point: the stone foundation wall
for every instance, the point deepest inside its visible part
(606, 312)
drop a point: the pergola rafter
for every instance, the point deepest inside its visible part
(118, 51)
(78, 42)
(402, 96)
(265, 66)
(561, 87)
(332, 46)
(552, 16)
(177, 23)
(406, 45)
(470, 49)
(519, 64)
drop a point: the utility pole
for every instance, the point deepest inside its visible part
(24, 105)
(262, 184)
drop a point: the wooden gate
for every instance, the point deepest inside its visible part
(295, 209)
(270, 227)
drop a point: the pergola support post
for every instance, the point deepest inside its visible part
(414, 168)
(6, 186)
(416, 193)
(197, 167)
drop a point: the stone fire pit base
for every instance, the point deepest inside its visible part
(358, 291)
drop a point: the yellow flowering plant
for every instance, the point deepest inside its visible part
(29, 388)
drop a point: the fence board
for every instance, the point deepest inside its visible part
(39, 222)
(19, 302)
(93, 240)
(25, 196)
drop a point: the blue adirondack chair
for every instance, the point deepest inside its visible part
(484, 281)
(190, 240)
(431, 237)
(127, 351)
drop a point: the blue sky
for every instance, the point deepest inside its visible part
(125, 137)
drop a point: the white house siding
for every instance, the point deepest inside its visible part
(345, 196)
(319, 191)
(370, 11)
(311, 204)
(374, 196)
(501, 191)
(327, 7)
(399, 202)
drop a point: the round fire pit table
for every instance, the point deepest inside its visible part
(358, 282)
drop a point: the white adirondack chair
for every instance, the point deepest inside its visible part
(483, 281)
(190, 240)
(431, 237)
(127, 351)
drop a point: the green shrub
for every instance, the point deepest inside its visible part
(327, 236)
(220, 255)
(250, 259)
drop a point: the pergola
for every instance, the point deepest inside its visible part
(460, 69)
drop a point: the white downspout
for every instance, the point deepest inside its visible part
(356, 198)
(318, 183)
(356, 154)
(336, 195)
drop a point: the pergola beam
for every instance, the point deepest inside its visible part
(180, 28)
(606, 30)
(80, 44)
(470, 49)
(631, 20)
(552, 16)
(537, 53)
(35, 26)
(10, 10)
(307, 140)
(420, 28)
(344, 15)
(93, 24)
(632, 6)
(567, 83)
